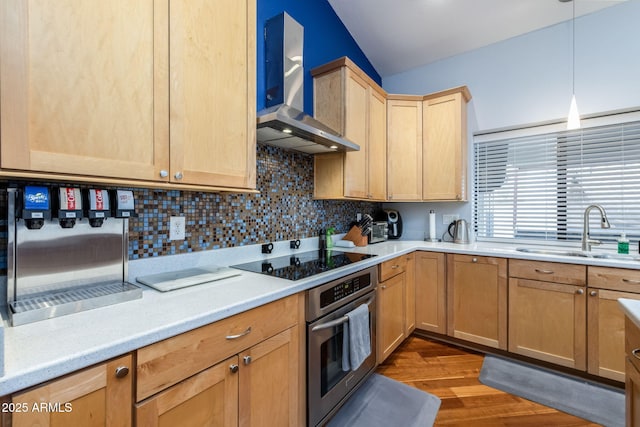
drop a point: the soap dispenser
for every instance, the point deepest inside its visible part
(623, 244)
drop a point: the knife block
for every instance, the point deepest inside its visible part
(355, 235)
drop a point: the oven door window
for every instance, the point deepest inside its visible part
(331, 372)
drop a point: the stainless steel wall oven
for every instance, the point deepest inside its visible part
(328, 385)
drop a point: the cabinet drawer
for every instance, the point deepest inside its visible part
(617, 279)
(548, 271)
(167, 362)
(632, 341)
(393, 267)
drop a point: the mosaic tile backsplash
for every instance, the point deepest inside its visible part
(283, 210)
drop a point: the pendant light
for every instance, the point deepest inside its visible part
(573, 121)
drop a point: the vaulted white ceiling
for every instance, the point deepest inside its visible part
(398, 35)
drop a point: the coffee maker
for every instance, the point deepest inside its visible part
(394, 221)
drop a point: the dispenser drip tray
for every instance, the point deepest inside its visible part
(71, 300)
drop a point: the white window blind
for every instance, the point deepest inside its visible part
(533, 184)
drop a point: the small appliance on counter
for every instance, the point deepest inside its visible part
(66, 251)
(394, 222)
(379, 232)
(461, 232)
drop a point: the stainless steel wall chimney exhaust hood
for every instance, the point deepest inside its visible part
(283, 123)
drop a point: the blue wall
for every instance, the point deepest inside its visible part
(325, 39)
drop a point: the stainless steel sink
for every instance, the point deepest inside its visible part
(576, 253)
(616, 256)
(558, 252)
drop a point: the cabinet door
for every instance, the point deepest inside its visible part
(269, 382)
(477, 299)
(207, 398)
(632, 395)
(391, 315)
(404, 149)
(444, 148)
(605, 328)
(355, 162)
(410, 294)
(377, 145)
(95, 396)
(212, 92)
(547, 321)
(431, 314)
(84, 88)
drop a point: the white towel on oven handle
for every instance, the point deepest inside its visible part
(356, 339)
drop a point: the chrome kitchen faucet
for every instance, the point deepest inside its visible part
(604, 223)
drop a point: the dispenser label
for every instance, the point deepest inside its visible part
(125, 200)
(36, 198)
(98, 200)
(70, 199)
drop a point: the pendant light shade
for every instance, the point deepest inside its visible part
(573, 120)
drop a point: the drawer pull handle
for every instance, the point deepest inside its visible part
(593, 293)
(246, 360)
(631, 281)
(395, 266)
(384, 286)
(122, 371)
(235, 337)
(636, 353)
(544, 271)
(233, 368)
(474, 260)
(580, 291)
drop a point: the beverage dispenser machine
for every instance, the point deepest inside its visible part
(67, 251)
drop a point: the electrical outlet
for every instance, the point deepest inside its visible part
(176, 228)
(449, 218)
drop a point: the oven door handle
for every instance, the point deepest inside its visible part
(335, 322)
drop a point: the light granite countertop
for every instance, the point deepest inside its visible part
(631, 308)
(44, 350)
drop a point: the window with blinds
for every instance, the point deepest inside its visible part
(536, 183)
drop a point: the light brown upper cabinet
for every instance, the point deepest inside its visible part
(444, 145)
(352, 104)
(404, 148)
(107, 92)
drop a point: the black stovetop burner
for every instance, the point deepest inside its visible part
(302, 265)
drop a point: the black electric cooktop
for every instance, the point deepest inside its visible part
(302, 265)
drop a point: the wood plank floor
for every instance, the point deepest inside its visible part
(451, 373)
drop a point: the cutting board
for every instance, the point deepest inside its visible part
(189, 277)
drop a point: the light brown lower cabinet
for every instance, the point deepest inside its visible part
(244, 370)
(391, 304)
(257, 387)
(605, 324)
(101, 395)
(548, 312)
(632, 378)
(391, 311)
(430, 289)
(477, 299)
(410, 294)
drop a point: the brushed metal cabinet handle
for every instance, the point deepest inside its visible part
(233, 368)
(178, 175)
(544, 271)
(235, 337)
(580, 291)
(246, 360)
(593, 293)
(474, 260)
(122, 371)
(636, 353)
(164, 173)
(631, 281)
